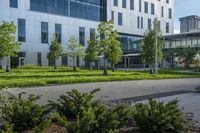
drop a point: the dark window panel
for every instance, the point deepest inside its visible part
(14, 3)
(44, 32)
(21, 30)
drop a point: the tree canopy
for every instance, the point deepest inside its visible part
(55, 50)
(148, 44)
(8, 45)
(74, 50)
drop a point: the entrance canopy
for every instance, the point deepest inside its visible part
(131, 55)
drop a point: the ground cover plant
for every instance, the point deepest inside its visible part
(39, 76)
(77, 112)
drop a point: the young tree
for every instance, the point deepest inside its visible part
(92, 50)
(186, 55)
(8, 45)
(55, 50)
(108, 41)
(148, 46)
(75, 49)
(114, 52)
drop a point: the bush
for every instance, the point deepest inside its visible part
(157, 117)
(88, 115)
(23, 114)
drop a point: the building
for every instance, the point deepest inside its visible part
(38, 20)
(189, 23)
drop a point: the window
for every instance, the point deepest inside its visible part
(123, 3)
(58, 32)
(132, 4)
(141, 22)
(140, 5)
(44, 32)
(170, 13)
(149, 24)
(120, 19)
(39, 58)
(138, 22)
(146, 7)
(112, 16)
(167, 27)
(14, 3)
(82, 36)
(162, 11)
(21, 30)
(92, 34)
(152, 9)
(167, 1)
(115, 2)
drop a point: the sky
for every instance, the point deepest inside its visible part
(184, 8)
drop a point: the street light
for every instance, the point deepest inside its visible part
(156, 51)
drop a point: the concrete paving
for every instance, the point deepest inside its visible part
(116, 90)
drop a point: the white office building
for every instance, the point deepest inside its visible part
(38, 20)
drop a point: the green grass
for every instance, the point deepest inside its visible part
(40, 76)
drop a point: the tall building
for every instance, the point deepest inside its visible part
(38, 20)
(189, 23)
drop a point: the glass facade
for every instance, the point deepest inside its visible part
(44, 32)
(86, 9)
(58, 32)
(130, 44)
(82, 36)
(14, 3)
(21, 30)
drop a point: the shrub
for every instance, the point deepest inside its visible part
(158, 117)
(23, 114)
(88, 115)
(73, 104)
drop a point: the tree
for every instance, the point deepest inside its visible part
(8, 45)
(55, 50)
(109, 43)
(75, 49)
(114, 51)
(148, 45)
(92, 50)
(186, 55)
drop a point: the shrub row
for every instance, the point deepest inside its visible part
(77, 112)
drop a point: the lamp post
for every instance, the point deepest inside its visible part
(156, 53)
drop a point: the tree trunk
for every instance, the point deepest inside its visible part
(74, 65)
(113, 67)
(90, 66)
(55, 67)
(7, 66)
(105, 71)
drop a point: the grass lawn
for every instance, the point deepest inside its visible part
(24, 77)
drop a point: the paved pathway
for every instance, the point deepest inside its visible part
(117, 90)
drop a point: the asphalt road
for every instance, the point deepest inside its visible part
(117, 90)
